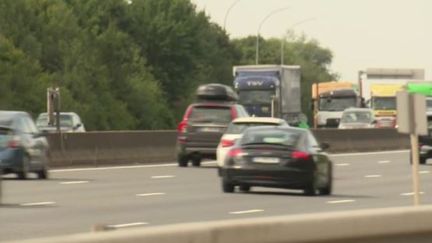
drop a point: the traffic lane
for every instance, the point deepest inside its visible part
(193, 194)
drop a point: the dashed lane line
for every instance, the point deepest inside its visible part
(73, 182)
(163, 176)
(247, 211)
(150, 194)
(135, 224)
(37, 204)
(384, 162)
(410, 194)
(343, 164)
(341, 201)
(373, 176)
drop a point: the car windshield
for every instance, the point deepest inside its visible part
(357, 117)
(336, 104)
(237, 128)
(270, 136)
(384, 103)
(254, 97)
(210, 114)
(65, 121)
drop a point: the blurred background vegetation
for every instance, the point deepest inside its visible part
(126, 66)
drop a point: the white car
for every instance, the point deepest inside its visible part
(69, 122)
(235, 131)
(354, 118)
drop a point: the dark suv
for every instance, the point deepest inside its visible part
(202, 127)
(425, 142)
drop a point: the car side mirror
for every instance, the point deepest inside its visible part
(325, 146)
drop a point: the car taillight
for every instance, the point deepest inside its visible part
(300, 155)
(227, 143)
(235, 152)
(234, 114)
(182, 127)
(14, 143)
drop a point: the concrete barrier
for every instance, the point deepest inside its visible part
(102, 148)
(126, 147)
(389, 225)
(362, 140)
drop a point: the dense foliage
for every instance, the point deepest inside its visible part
(127, 64)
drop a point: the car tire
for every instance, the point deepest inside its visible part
(328, 189)
(245, 188)
(422, 160)
(182, 160)
(42, 174)
(310, 190)
(23, 174)
(227, 186)
(196, 162)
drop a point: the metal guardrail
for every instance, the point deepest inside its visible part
(126, 147)
(387, 225)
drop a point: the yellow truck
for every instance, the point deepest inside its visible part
(383, 102)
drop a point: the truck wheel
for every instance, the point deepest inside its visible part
(196, 161)
(182, 160)
(43, 173)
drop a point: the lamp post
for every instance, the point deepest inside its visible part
(228, 11)
(259, 28)
(283, 38)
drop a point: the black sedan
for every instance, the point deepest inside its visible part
(281, 157)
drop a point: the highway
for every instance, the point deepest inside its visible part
(74, 200)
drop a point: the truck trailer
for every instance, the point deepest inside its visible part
(269, 91)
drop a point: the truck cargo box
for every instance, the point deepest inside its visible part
(216, 92)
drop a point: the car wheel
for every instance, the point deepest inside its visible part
(22, 175)
(245, 188)
(227, 186)
(196, 161)
(310, 190)
(182, 160)
(422, 160)
(328, 189)
(42, 174)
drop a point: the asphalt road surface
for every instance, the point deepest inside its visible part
(74, 200)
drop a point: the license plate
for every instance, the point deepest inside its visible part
(266, 160)
(210, 129)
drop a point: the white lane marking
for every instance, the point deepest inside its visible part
(373, 176)
(247, 211)
(118, 226)
(343, 164)
(150, 194)
(162, 176)
(73, 182)
(384, 161)
(424, 172)
(123, 167)
(37, 204)
(369, 153)
(410, 193)
(341, 201)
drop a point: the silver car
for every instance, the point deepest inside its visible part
(357, 118)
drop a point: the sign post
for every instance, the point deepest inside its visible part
(411, 119)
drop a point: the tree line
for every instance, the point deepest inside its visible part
(125, 65)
